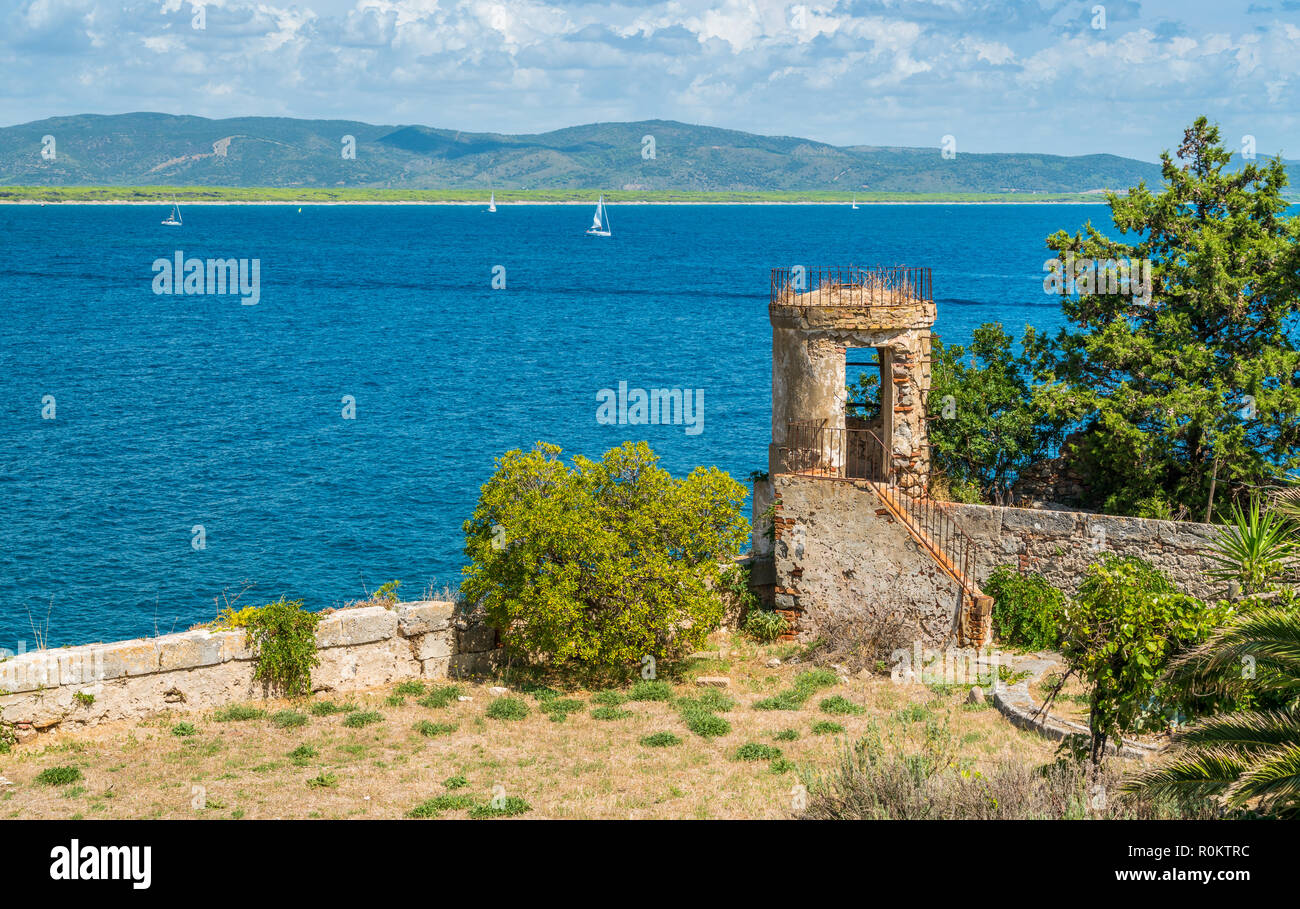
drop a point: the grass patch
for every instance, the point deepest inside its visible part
(323, 780)
(289, 719)
(456, 782)
(838, 705)
(754, 751)
(362, 718)
(412, 689)
(790, 699)
(711, 699)
(661, 740)
(914, 713)
(559, 708)
(510, 806)
(441, 696)
(609, 698)
(237, 713)
(651, 690)
(183, 729)
(430, 730)
(507, 708)
(781, 765)
(826, 727)
(704, 724)
(787, 735)
(329, 708)
(610, 713)
(440, 803)
(302, 754)
(58, 776)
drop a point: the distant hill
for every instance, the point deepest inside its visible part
(145, 149)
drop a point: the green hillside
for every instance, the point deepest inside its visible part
(146, 149)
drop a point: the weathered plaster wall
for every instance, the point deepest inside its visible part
(837, 554)
(836, 557)
(359, 648)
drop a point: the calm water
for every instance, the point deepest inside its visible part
(173, 411)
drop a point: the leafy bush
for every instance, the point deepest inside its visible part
(1126, 621)
(753, 751)
(610, 713)
(826, 727)
(303, 754)
(441, 696)
(362, 718)
(429, 730)
(1256, 549)
(411, 688)
(183, 729)
(609, 698)
(508, 806)
(787, 735)
(288, 719)
(1027, 610)
(839, 705)
(238, 713)
(283, 639)
(438, 804)
(661, 740)
(558, 709)
(58, 776)
(600, 565)
(323, 780)
(765, 625)
(705, 724)
(651, 690)
(329, 708)
(507, 708)
(456, 782)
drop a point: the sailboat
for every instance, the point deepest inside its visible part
(600, 223)
(855, 203)
(492, 203)
(174, 219)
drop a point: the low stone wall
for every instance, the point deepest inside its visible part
(839, 555)
(359, 648)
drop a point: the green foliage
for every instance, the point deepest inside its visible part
(323, 780)
(1027, 609)
(787, 735)
(59, 776)
(1245, 758)
(1127, 620)
(183, 729)
(838, 705)
(1256, 549)
(826, 727)
(456, 782)
(651, 690)
(661, 740)
(236, 713)
(362, 718)
(600, 565)
(289, 719)
(411, 688)
(558, 709)
(610, 713)
(711, 699)
(705, 723)
(303, 754)
(609, 698)
(754, 751)
(507, 806)
(431, 730)
(440, 803)
(8, 737)
(781, 765)
(507, 708)
(329, 708)
(1197, 390)
(984, 428)
(84, 698)
(765, 625)
(387, 592)
(441, 696)
(283, 639)
(806, 684)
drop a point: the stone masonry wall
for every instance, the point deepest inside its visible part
(838, 555)
(361, 647)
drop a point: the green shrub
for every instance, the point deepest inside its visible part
(288, 719)
(441, 696)
(362, 718)
(329, 708)
(839, 705)
(456, 782)
(283, 639)
(710, 699)
(411, 688)
(765, 625)
(812, 680)
(826, 727)
(610, 713)
(237, 713)
(781, 765)
(604, 563)
(8, 737)
(558, 709)
(651, 690)
(753, 751)
(58, 776)
(787, 735)
(440, 803)
(323, 780)
(429, 730)
(509, 806)
(1027, 610)
(303, 754)
(184, 729)
(661, 740)
(507, 708)
(609, 698)
(84, 698)
(705, 724)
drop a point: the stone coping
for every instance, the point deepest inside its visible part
(100, 662)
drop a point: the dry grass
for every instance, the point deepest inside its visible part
(583, 767)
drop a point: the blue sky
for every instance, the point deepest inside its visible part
(1017, 75)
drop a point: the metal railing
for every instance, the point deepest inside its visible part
(813, 449)
(851, 286)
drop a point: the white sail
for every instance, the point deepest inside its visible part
(174, 219)
(492, 203)
(597, 222)
(600, 221)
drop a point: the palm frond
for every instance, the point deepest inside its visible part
(1264, 639)
(1273, 778)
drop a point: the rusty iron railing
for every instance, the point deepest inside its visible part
(851, 286)
(813, 449)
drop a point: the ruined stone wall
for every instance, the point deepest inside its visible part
(837, 554)
(359, 648)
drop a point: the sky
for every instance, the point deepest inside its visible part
(1123, 77)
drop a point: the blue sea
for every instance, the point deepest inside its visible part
(176, 411)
